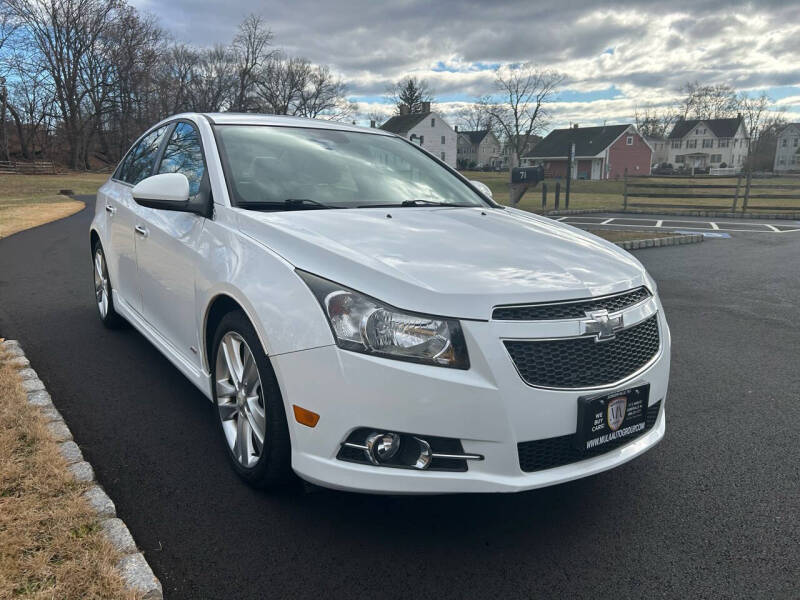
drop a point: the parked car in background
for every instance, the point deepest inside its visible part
(364, 317)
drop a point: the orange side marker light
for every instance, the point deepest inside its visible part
(305, 417)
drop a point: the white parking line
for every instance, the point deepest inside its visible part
(713, 225)
(607, 221)
(772, 227)
(659, 223)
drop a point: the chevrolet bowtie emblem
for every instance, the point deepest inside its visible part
(601, 325)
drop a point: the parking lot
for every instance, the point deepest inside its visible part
(716, 228)
(711, 512)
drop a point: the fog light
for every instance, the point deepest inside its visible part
(425, 455)
(381, 447)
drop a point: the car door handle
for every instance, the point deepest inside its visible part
(110, 209)
(141, 230)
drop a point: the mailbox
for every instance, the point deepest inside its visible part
(528, 175)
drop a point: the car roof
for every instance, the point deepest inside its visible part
(231, 118)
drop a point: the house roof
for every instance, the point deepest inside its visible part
(475, 137)
(588, 141)
(403, 123)
(719, 127)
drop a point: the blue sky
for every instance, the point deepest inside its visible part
(615, 56)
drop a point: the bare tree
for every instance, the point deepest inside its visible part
(762, 126)
(251, 51)
(474, 117)
(410, 92)
(324, 96)
(214, 80)
(281, 84)
(707, 101)
(521, 108)
(652, 122)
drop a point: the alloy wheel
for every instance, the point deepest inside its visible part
(101, 287)
(240, 399)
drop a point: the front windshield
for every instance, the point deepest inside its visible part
(278, 168)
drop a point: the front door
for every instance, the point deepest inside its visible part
(167, 249)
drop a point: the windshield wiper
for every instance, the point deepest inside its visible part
(415, 202)
(288, 204)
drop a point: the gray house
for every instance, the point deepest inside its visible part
(426, 128)
(787, 153)
(478, 149)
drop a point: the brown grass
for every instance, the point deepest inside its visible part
(624, 236)
(19, 216)
(608, 194)
(51, 546)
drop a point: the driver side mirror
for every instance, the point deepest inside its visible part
(167, 191)
(482, 188)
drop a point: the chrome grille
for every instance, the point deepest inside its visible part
(575, 309)
(583, 362)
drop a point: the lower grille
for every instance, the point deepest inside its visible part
(559, 451)
(583, 362)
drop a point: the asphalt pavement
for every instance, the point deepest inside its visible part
(711, 512)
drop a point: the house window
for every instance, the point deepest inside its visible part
(676, 144)
(781, 161)
(697, 131)
(443, 142)
(723, 142)
(716, 158)
(629, 140)
(433, 122)
(691, 143)
(679, 159)
(795, 142)
(707, 143)
(785, 142)
(443, 156)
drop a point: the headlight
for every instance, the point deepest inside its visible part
(363, 324)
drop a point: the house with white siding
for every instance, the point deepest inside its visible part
(479, 149)
(787, 152)
(704, 143)
(428, 129)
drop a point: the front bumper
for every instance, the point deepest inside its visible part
(489, 408)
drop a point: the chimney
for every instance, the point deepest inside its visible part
(372, 123)
(426, 108)
(404, 110)
(456, 128)
(575, 126)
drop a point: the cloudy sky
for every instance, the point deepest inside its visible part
(615, 56)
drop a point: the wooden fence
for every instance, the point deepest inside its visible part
(744, 189)
(37, 167)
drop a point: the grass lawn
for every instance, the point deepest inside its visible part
(30, 200)
(608, 194)
(51, 544)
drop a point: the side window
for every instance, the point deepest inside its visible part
(140, 163)
(184, 154)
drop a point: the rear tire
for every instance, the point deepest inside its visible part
(249, 405)
(104, 298)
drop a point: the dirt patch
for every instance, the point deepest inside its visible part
(51, 545)
(624, 236)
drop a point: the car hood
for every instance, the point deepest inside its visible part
(457, 262)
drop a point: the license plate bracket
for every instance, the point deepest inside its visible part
(607, 419)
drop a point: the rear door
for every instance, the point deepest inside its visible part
(168, 250)
(121, 210)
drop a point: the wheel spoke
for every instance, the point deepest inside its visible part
(225, 389)
(249, 371)
(227, 411)
(98, 265)
(232, 360)
(257, 423)
(243, 440)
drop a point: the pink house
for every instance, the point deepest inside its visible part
(606, 152)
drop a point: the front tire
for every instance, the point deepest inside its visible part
(103, 290)
(249, 405)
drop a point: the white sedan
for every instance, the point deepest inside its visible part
(364, 317)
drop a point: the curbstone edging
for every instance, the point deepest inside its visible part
(133, 567)
(674, 240)
(138, 576)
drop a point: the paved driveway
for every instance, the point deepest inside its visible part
(711, 512)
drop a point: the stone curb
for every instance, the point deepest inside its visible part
(136, 573)
(679, 213)
(674, 240)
